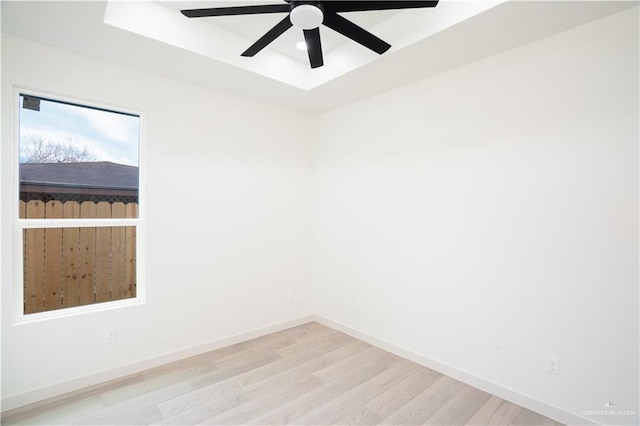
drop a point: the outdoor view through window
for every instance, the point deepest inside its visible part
(77, 164)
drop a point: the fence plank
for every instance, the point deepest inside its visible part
(130, 264)
(86, 256)
(118, 254)
(132, 210)
(103, 255)
(34, 260)
(70, 266)
(118, 210)
(65, 267)
(53, 258)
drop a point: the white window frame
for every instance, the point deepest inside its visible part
(20, 224)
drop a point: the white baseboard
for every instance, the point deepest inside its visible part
(20, 400)
(507, 394)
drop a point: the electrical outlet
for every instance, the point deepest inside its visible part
(110, 336)
(553, 365)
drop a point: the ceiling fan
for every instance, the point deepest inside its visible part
(309, 15)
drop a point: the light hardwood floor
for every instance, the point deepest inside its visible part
(305, 375)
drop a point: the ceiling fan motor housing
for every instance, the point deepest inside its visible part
(306, 14)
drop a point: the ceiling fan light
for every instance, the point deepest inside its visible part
(301, 45)
(306, 16)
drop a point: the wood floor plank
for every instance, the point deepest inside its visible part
(426, 403)
(496, 411)
(207, 388)
(267, 343)
(396, 396)
(309, 374)
(136, 409)
(324, 359)
(253, 381)
(152, 380)
(58, 414)
(292, 366)
(234, 369)
(292, 410)
(340, 406)
(460, 407)
(197, 411)
(361, 416)
(339, 368)
(529, 418)
(144, 415)
(197, 365)
(288, 343)
(356, 397)
(399, 369)
(322, 337)
(276, 397)
(68, 401)
(217, 396)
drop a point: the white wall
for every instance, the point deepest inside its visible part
(228, 184)
(488, 217)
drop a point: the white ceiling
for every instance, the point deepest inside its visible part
(224, 38)
(424, 44)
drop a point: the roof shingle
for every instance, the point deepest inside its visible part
(99, 174)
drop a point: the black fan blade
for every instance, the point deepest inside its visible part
(271, 35)
(359, 6)
(235, 10)
(355, 33)
(314, 47)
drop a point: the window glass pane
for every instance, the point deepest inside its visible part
(74, 266)
(72, 153)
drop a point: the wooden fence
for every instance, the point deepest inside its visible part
(65, 267)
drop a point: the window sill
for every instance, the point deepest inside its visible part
(78, 310)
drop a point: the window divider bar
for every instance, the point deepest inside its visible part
(76, 223)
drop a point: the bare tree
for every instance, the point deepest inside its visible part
(37, 149)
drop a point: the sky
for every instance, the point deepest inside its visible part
(109, 135)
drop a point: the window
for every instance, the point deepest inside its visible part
(78, 173)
